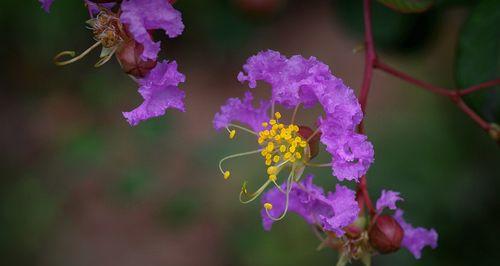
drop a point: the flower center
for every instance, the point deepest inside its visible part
(282, 145)
(107, 29)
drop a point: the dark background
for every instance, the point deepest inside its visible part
(79, 186)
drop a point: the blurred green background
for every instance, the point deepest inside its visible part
(81, 187)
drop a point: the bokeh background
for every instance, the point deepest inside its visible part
(79, 186)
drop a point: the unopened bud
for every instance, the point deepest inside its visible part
(129, 56)
(306, 133)
(386, 234)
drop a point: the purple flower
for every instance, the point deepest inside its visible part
(160, 92)
(333, 212)
(388, 199)
(46, 4)
(308, 82)
(143, 15)
(415, 239)
(242, 111)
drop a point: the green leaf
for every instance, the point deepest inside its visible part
(478, 58)
(408, 6)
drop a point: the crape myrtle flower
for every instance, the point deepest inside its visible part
(296, 83)
(124, 29)
(388, 233)
(331, 212)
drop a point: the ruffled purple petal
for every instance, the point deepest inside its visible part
(143, 15)
(46, 4)
(293, 80)
(333, 212)
(352, 154)
(388, 199)
(415, 239)
(345, 210)
(242, 111)
(160, 92)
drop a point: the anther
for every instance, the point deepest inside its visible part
(227, 174)
(232, 133)
(268, 206)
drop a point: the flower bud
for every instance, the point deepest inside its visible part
(306, 132)
(386, 234)
(129, 56)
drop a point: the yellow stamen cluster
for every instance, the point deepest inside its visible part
(280, 144)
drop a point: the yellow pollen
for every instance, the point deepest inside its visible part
(268, 162)
(227, 174)
(272, 177)
(277, 115)
(298, 155)
(268, 206)
(272, 170)
(272, 122)
(276, 158)
(265, 124)
(232, 133)
(282, 148)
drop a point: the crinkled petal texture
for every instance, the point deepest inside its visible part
(160, 92)
(388, 199)
(46, 4)
(333, 211)
(143, 15)
(298, 80)
(415, 239)
(243, 111)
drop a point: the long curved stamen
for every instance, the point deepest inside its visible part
(272, 108)
(254, 195)
(295, 113)
(234, 156)
(288, 189)
(244, 129)
(278, 187)
(105, 59)
(72, 54)
(318, 165)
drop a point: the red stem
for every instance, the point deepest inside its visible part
(412, 80)
(371, 62)
(479, 86)
(454, 95)
(370, 59)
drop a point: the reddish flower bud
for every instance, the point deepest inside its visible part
(386, 234)
(129, 56)
(306, 132)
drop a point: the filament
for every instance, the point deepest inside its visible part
(244, 129)
(288, 189)
(318, 165)
(105, 59)
(72, 54)
(254, 195)
(235, 156)
(295, 113)
(313, 134)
